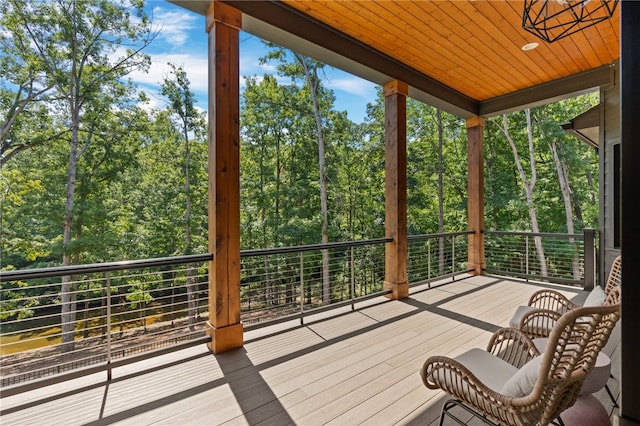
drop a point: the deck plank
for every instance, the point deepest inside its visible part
(359, 368)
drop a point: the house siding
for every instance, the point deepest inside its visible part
(609, 138)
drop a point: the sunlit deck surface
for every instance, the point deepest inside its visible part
(357, 368)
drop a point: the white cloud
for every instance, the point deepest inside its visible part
(182, 41)
(195, 67)
(175, 25)
(353, 85)
(153, 103)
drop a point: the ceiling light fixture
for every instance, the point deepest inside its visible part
(530, 46)
(552, 20)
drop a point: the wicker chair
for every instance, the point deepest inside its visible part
(545, 306)
(511, 383)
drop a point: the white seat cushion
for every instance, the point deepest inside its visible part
(495, 373)
(489, 369)
(518, 314)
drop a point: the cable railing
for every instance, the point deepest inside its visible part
(559, 258)
(437, 256)
(62, 319)
(63, 322)
(280, 284)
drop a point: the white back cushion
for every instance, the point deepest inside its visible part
(596, 297)
(522, 383)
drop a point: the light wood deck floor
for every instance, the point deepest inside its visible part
(357, 368)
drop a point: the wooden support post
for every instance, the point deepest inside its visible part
(223, 26)
(395, 138)
(475, 194)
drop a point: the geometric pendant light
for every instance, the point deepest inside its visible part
(552, 20)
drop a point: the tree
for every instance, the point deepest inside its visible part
(548, 120)
(276, 208)
(269, 117)
(182, 105)
(308, 69)
(23, 89)
(528, 183)
(78, 46)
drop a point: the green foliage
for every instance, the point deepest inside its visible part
(505, 204)
(142, 177)
(13, 304)
(138, 295)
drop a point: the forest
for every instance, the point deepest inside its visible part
(90, 174)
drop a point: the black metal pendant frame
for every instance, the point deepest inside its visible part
(552, 20)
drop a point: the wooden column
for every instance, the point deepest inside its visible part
(475, 193)
(222, 24)
(630, 139)
(395, 141)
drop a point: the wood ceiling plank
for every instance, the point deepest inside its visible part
(572, 47)
(501, 58)
(503, 16)
(492, 72)
(595, 45)
(443, 62)
(588, 47)
(554, 67)
(609, 33)
(579, 52)
(471, 46)
(453, 44)
(543, 56)
(424, 60)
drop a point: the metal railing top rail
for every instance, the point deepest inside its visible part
(57, 271)
(312, 247)
(535, 234)
(443, 234)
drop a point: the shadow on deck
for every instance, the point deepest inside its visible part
(360, 367)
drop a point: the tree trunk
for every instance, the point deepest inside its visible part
(67, 290)
(528, 184)
(563, 178)
(440, 192)
(192, 303)
(312, 81)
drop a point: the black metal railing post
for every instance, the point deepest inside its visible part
(589, 258)
(108, 282)
(301, 288)
(526, 257)
(352, 280)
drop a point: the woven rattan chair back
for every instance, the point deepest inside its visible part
(614, 282)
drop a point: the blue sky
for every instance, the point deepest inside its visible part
(183, 41)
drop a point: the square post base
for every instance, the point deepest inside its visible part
(398, 291)
(225, 338)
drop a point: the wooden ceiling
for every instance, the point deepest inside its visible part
(474, 47)
(466, 53)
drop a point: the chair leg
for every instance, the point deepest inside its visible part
(450, 403)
